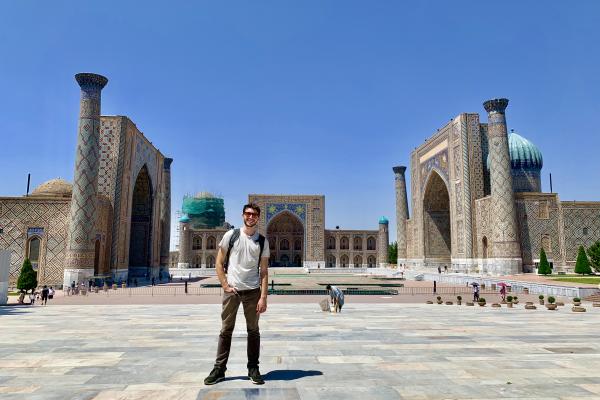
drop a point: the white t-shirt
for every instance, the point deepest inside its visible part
(242, 272)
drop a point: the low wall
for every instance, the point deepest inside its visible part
(192, 272)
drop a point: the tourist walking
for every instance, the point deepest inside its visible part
(45, 293)
(32, 297)
(475, 292)
(51, 293)
(242, 268)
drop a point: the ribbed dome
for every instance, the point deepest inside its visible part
(383, 220)
(184, 219)
(523, 153)
(55, 188)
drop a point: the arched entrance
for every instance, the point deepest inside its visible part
(285, 233)
(140, 242)
(436, 221)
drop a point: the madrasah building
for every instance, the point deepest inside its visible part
(477, 202)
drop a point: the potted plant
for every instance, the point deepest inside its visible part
(541, 297)
(509, 301)
(481, 302)
(576, 301)
(439, 300)
(459, 300)
(551, 305)
(515, 300)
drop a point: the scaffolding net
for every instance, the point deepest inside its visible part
(204, 210)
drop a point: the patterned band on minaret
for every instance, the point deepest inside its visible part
(165, 239)
(401, 212)
(83, 213)
(505, 244)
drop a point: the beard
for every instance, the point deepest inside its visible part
(250, 224)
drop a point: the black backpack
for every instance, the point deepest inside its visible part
(234, 237)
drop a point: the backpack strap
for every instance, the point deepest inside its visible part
(234, 237)
(261, 243)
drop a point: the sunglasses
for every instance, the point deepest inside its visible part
(250, 214)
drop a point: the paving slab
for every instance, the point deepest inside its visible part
(369, 351)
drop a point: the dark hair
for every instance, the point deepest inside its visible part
(328, 287)
(253, 206)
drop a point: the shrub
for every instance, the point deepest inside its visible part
(481, 300)
(576, 299)
(459, 298)
(509, 299)
(541, 297)
(594, 255)
(551, 299)
(515, 298)
(28, 277)
(544, 267)
(582, 266)
(439, 298)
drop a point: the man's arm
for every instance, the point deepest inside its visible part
(221, 272)
(261, 307)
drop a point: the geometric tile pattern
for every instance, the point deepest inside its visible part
(581, 227)
(401, 210)
(369, 351)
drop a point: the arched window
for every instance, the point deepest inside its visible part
(357, 262)
(357, 243)
(284, 244)
(371, 261)
(197, 243)
(331, 262)
(33, 251)
(272, 243)
(546, 243)
(285, 260)
(197, 261)
(211, 243)
(210, 262)
(298, 244)
(344, 243)
(330, 243)
(298, 260)
(344, 260)
(371, 243)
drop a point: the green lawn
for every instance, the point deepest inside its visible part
(593, 280)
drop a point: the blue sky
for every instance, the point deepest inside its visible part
(301, 97)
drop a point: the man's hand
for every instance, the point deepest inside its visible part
(229, 289)
(261, 307)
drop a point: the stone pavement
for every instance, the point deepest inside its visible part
(368, 352)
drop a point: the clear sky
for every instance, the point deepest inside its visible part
(300, 97)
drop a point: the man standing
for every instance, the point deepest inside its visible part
(242, 268)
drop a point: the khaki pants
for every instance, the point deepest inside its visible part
(231, 303)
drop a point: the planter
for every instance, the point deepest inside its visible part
(515, 301)
(577, 303)
(429, 302)
(458, 302)
(541, 302)
(481, 304)
(496, 305)
(509, 305)
(578, 309)
(551, 306)
(529, 303)
(470, 303)
(114, 286)
(530, 307)
(596, 304)
(123, 285)
(449, 303)
(440, 302)
(560, 303)
(525, 290)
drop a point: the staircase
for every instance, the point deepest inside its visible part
(595, 298)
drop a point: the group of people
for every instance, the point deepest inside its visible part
(43, 295)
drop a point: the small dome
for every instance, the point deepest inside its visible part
(55, 188)
(184, 219)
(383, 220)
(523, 153)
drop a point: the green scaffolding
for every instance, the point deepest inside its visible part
(204, 211)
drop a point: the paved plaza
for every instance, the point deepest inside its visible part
(370, 351)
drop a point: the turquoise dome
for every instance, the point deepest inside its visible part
(184, 219)
(523, 153)
(383, 220)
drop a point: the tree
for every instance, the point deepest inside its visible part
(544, 267)
(582, 266)
(594, 255)
(393, 253)
(28, 277)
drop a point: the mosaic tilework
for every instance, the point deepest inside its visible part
(401, 210)
(298, 209)
(581, 226)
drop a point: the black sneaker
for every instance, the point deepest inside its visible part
(255, 376)
(215, 376)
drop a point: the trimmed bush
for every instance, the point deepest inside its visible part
(481, 300)
(541, 297)
(594, 255)
(509, 299)
(582, 266)
(28, 277)
(439, 298)
(551, 299)
(544, 267)
(459, 298)
(576, 299)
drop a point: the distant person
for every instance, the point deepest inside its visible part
(445, 269)
(434, 287)
(135, 282)
(51, 293)
(245, 254)
(439, 269)
(337, 297)
(45, 294)
(503, 292)
(32, 297)
(475, 293)
(153, 282)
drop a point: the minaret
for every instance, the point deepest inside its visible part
(165, 239)
(184, 242)
(79, 261)
(401, 213)
(384, 243)
(506, 249)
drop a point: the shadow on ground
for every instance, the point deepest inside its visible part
(280, 375)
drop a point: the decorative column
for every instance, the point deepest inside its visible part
(506, 249)
(165, 240)
(184, 243)
(401, 213)
(79, 262)
(384, 243)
